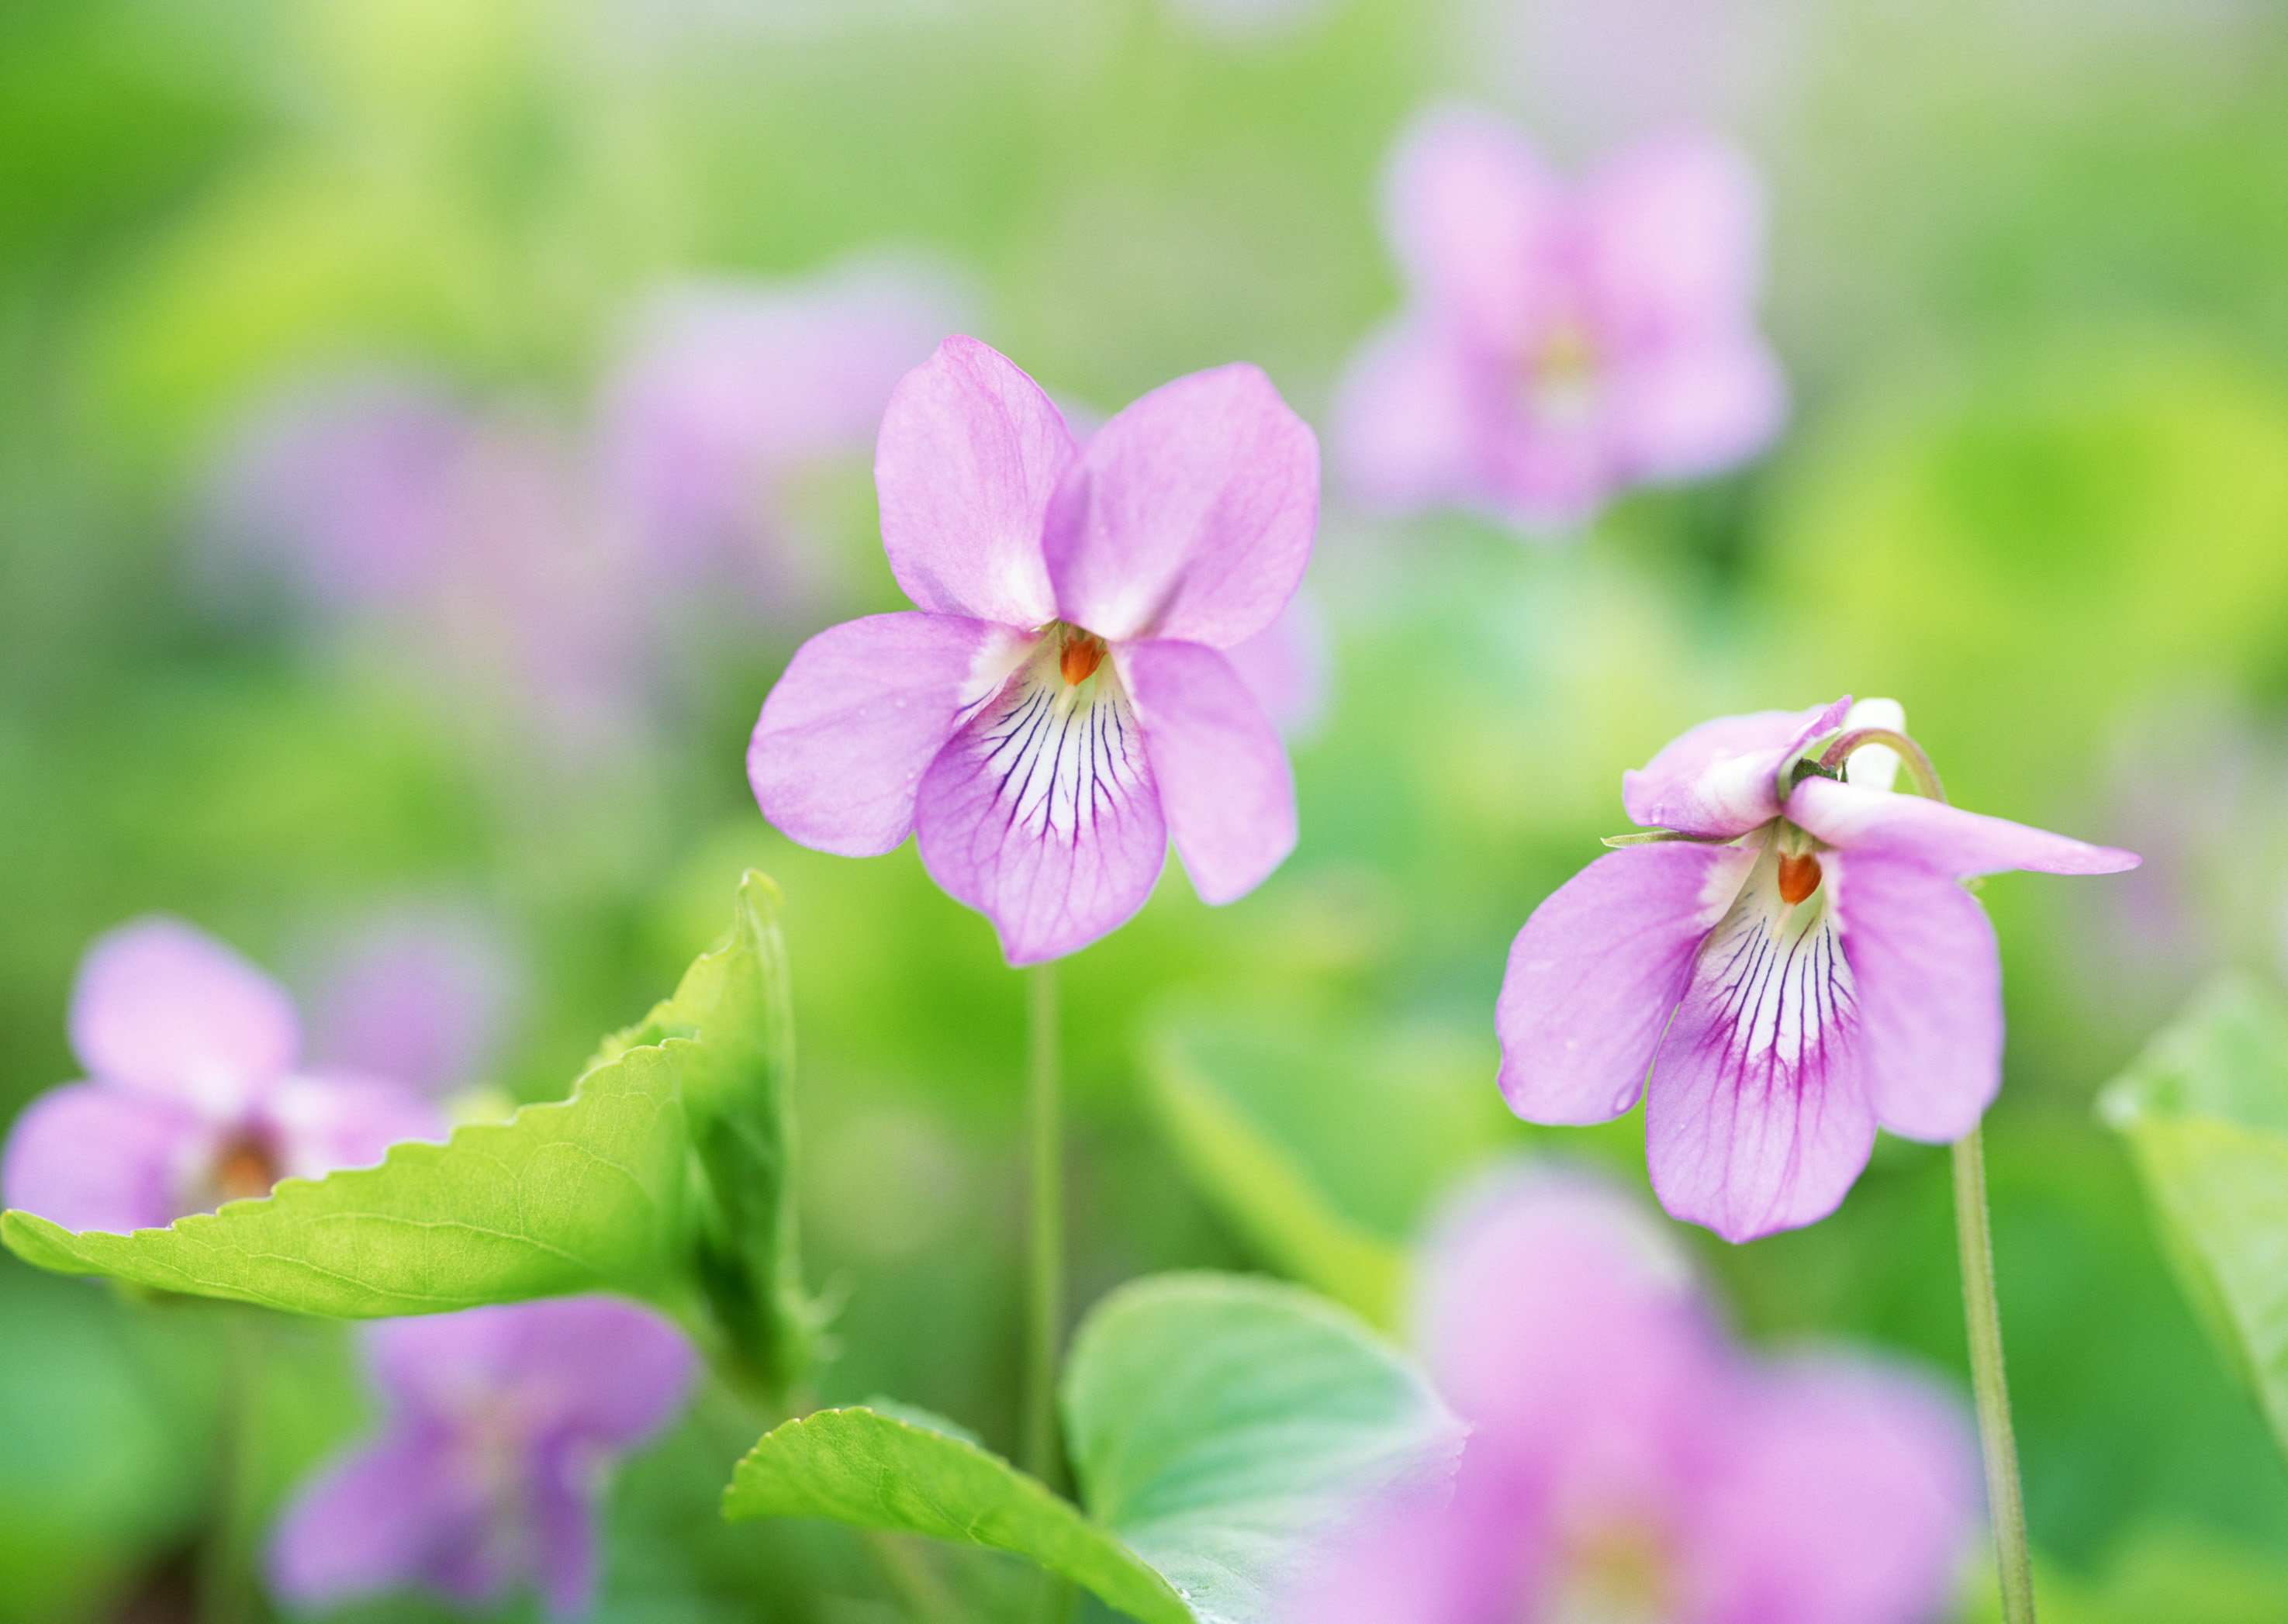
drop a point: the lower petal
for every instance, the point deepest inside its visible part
(1757, 1117)
(93, 1157)
(1042, 812)
(1698, 409)
(1597, 971)
(1226, 788)
(863, 709)
(1930, 994)
(382, 1519)
(564, 1528)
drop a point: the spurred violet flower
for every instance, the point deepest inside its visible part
(1627, 1465)
(498, 1425)
(1559, 341)
(194, 1095)
(1060, 707)
(1791, 962)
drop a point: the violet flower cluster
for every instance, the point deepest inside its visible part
(195, 1092)
(1627, 1464)
(1788, 962)
(499, 1427)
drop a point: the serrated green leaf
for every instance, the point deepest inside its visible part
(872, 1471)
(1320, 1151)
(2206, 1111)
(1219, 1425)
(664, 1177)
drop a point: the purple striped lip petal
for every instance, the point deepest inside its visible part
(1802, 970)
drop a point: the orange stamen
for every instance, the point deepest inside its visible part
(245, 1170)
(1798, 877)
(1083, 654)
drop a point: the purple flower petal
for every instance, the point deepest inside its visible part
(1286, 666)
(1478, 222)
(418, 996)
(1944, 839)
(90, 1156)
(1848, 1492)
(1692, 410)
(563, 1526)
(318, 1124)
(1720, 779)
(393, 1513)
(840, 752)
(1674, 241)
(169, 1011)
(1930, 993)
(1226, 788)
(971, 451)
(1596, 972)
(1042, 813)
(1409, 422)
(1757, 1117)
(1189, 515)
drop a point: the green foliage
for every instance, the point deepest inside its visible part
(664, 1177)
(1322, 1149)
(1216, 1423)
(2206, 1109)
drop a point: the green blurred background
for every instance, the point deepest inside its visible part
(2029, 277)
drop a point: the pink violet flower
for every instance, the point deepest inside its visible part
(194, 1096)
(1627, 1463)
(418, 994)
(1559, 341)
(1788, 962)
(1059, 706)
(499, 1425)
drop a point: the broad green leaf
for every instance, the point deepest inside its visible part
(2205, 1110)
(1320, 1151)
(873, 1471)
(663, 1177)
(1219, 1425)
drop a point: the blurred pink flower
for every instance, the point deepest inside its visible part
(418, 994)
(728, 390)
(499, 1424)
(1626, 1463)
(1560, 343)
(1796, 965)
(195, 1096)
(1061, 707)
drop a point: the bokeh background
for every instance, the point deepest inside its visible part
(2028, 274)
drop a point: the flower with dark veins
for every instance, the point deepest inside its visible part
(1785, 961)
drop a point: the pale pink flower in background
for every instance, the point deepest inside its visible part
(419, 993)
(499, 1426)
(726, 392)
(1060, 705)
(1561, 342)
(195, 1096)
(1790, 962)
(1627, 1462)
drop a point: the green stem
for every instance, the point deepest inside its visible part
(2006, 1501)
(225, 1592)
(1045, 1304)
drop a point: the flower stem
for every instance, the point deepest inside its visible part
(2006, 1501)
(1044, 1295)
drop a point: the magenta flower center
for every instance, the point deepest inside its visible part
(1081, 653)
(244, 1168)
(1560, 374)
(1615, 1572)
(1799, 876)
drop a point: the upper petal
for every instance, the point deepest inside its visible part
(971, 451)
(90, 1156)
(845, 735)
(1721, 778)
(1849, 1491)
(1930, 993)
(1596, 972)
(1674, 228)
(1944, 839)
(1043, 814)
(1757, 1117)
(166, 1010)
(1226, 789)
(1189, 515)
(328, 1122)
(1479, 222)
